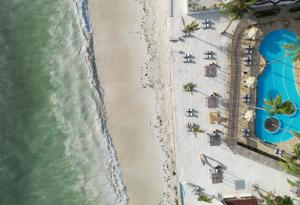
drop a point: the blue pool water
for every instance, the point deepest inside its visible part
(277, 78)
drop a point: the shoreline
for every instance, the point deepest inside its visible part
(89, 54)
(132, 81)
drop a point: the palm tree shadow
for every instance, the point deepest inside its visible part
(220, 48)
(212, 159)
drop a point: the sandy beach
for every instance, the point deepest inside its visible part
(124, 59)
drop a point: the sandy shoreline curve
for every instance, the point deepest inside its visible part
(131, 51)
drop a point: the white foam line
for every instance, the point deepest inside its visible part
(113, 166)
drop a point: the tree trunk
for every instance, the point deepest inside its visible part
(228, 26)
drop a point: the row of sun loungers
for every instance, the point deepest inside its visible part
(248, 59)
(246, 99)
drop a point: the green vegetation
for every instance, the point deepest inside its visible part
(237, 9)
(271, 199)
(196, 129)
(294, 183)
(294, 9)
(190, 28)
(189, 87)
(204, 198)
(294, 48)
(278, 106)
(291, 164)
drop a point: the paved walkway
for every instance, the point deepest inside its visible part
(235, 79)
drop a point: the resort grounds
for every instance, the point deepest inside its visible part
(242, 168)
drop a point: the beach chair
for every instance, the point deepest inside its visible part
(190, 112)
(187, 60)
(207, 24)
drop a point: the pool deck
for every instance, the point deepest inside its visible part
(265, 26)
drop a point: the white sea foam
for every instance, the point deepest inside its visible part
(112, 163)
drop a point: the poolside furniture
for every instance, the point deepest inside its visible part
(248, 51)
(250, 81)
(245, 130)
(249, 47)
(216, 176)
(211, 70)
(246, 134)
(212, 101)
(247, 99)
(248, 61)
(249, 115)
(279, 152)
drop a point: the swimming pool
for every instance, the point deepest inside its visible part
(277, 78)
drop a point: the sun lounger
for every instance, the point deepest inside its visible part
(279, 152)
(190, 112)
(248, 51)
(188, 60)
(246, 134)
(187, 55)
(249, 47)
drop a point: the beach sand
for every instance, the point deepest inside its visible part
(122, 54)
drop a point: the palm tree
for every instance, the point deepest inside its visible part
(189, 87)
(291, 164)
(296, 134)
(272, 199)
(205, 198)
(278, 106)
(294, 183)
(196, 129)
(294, 48)
(236, 9)
(191, 27)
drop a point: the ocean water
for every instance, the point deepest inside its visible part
(54, 145)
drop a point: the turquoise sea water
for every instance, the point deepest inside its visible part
(277, 78)
(55, 148)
